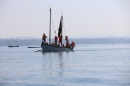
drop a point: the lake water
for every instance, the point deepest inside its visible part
(87, 65)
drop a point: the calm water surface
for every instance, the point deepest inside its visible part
(87, 65)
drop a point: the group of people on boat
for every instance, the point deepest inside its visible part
(59, 40)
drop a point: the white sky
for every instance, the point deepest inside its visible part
(82, 18)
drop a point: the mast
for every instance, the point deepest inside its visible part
(50, 29)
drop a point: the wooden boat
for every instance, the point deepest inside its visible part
(54, 48)
(13, 46)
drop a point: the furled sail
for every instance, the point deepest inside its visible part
(60, 27)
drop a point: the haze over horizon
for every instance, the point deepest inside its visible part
(95, 18)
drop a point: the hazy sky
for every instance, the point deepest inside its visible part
(82, 18)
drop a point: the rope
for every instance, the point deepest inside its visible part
(63, 25)
(64, 29)
(53, 27)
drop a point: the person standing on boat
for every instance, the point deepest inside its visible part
(66, 38)
(60, 40)
(55, 40)
(67, 42)
(44, 38)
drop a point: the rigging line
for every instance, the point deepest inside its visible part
(53, 29)
(46, 26)
(53, 26)
(64, 28)
(63, 25)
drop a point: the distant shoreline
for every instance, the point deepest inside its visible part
(7, 42)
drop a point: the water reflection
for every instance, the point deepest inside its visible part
(53, 63)
(47, 64)
(61, 64)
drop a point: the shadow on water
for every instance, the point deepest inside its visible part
(38, 51)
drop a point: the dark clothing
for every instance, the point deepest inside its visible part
(56, 39)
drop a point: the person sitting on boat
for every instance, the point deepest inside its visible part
(44, 38)
(63, 45)
(60, 40)
(73, 44)
(55, 40)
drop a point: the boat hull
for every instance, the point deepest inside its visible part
(52, 48)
